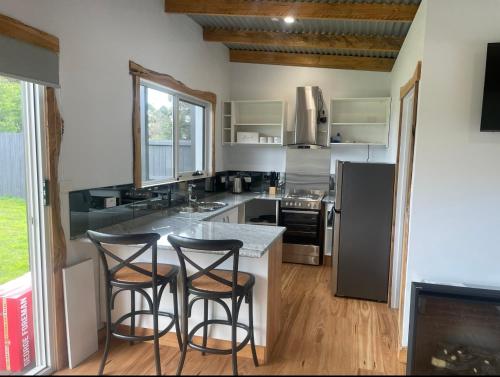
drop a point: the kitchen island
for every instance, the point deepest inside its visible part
(260, 255)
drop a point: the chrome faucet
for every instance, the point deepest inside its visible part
(192, 199)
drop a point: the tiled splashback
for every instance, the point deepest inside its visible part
(100, 207)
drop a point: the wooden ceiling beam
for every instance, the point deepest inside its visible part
(323, 41)
(299, 10)
(312, 60)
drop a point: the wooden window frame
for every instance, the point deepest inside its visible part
(140, 74)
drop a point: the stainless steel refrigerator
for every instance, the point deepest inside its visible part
(362, 230)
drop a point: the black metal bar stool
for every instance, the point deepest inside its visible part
(213, 284)
(127, 275)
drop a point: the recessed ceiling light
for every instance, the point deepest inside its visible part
(289, 20)
(275, 19)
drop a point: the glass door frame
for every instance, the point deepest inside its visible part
(33, 105)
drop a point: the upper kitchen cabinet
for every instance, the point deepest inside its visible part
(361, 121)
(173, 129)
(260, 122)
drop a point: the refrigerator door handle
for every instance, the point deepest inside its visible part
(335, 252)
(338, 185)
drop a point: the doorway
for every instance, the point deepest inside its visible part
(404, 181)
(24, 315)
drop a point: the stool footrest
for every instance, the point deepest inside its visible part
(218, 351)
(132, 338)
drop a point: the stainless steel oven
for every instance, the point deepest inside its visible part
(302, 241)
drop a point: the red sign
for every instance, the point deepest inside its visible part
(17, 346)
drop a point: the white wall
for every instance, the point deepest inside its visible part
(455, 219)
(411, 53)
(256, 81)
(97, 39)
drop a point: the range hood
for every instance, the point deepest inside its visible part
(311, 128)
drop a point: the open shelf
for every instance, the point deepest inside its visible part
(259, 118)
(360, 121)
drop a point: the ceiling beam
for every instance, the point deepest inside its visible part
(312, 60)
(299, 10)
(323, 41)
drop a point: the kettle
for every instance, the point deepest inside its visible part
(237, 185)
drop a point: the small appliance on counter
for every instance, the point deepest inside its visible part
(247, 183)
(238, 185)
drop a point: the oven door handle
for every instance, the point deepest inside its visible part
(300, 212)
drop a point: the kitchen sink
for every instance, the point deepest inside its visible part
(210, 206)
(202, 207)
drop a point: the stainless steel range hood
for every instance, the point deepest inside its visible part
(311, 127)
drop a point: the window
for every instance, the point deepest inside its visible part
(173, 129)
(173, 135)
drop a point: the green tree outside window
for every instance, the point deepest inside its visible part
(10, 105)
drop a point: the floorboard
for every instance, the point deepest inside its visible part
(320, 334)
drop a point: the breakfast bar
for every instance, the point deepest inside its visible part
(260, 255)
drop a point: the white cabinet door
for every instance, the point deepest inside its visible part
(230, 216)
(219, 218)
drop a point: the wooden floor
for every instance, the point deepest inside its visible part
(321, 335)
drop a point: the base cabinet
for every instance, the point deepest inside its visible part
(231, 216)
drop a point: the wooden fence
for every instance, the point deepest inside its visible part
(160, 158)
(12, 167)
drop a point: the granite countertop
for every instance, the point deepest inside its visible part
(256, 238)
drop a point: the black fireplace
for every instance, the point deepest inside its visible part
(454, 330)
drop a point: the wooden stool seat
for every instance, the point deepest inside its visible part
(128, 275)
(207, 284)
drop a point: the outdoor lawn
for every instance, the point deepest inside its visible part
(14, 260)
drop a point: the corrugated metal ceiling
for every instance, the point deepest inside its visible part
(397, 29)
(314, 26)
(296, 50)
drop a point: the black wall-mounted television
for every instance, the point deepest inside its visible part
(490, 120)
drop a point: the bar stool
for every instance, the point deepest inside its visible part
(213, 284)
(128, 275)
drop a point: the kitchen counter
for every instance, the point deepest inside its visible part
(256, 239)
(261, 255)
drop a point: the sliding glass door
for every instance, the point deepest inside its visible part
(24, 283)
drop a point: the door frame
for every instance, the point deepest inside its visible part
(54, 129)
(55, 241)
(412, 84)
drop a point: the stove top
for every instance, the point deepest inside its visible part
(303, 200)
(304, 196)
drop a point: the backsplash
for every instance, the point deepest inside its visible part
(96, 208)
